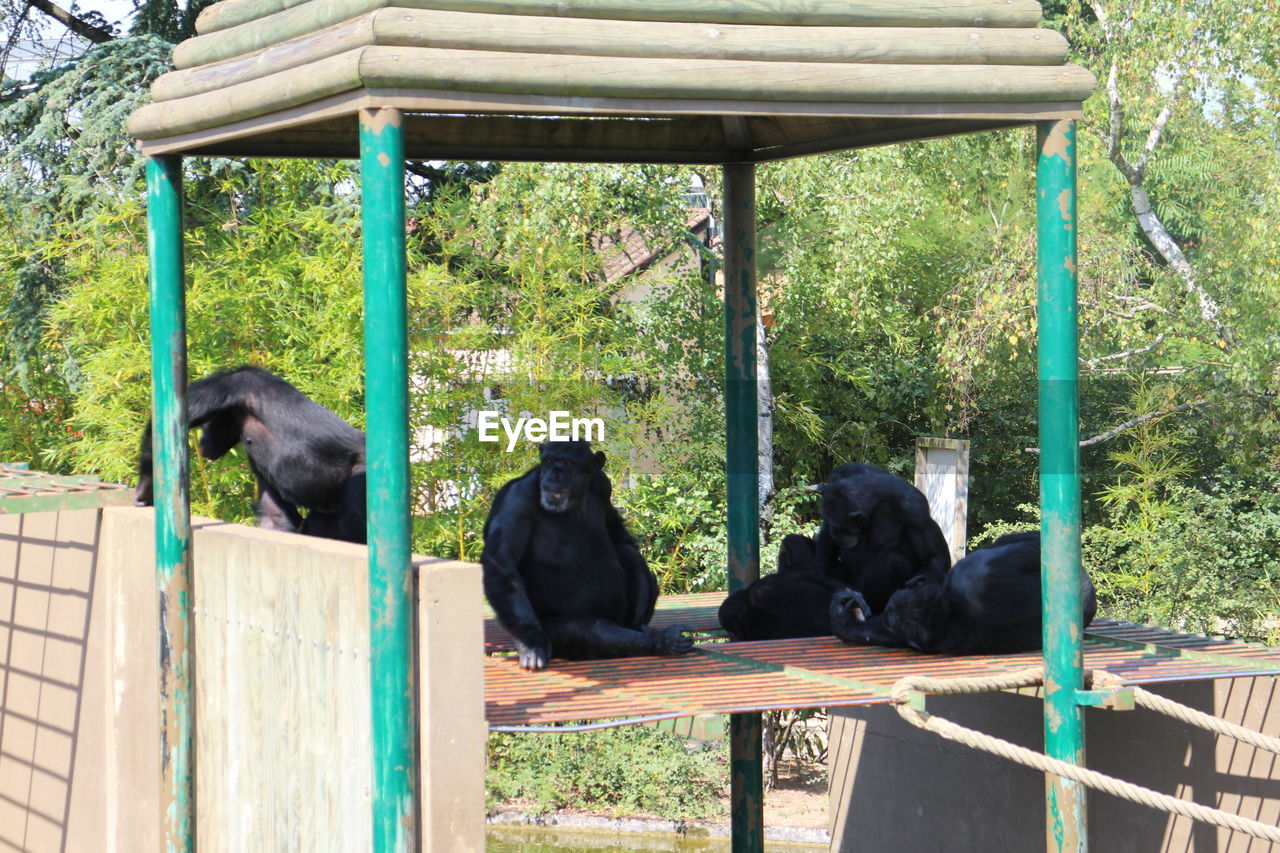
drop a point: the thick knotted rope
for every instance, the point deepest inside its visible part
(1083, 775)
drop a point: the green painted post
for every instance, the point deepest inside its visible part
(742, 483)
(1065, 828)
(172, 482)
(391, 677)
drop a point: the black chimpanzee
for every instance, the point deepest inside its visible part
(989, 603)
(302, 454)
(876, 535)
(561, 571)
(793, 602)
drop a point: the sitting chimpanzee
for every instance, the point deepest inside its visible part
(876, 535)
(989, 603)
(302, 454)
(793, 602)
(561, 571)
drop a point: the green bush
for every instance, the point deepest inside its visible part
(627, 770)
(1210, 565)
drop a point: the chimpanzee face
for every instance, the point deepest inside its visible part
(846, 511)
(567, 469)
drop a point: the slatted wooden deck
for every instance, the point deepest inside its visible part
(723, 677)
(22, 490)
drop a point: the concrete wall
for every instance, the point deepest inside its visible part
(282, 689)
(897, 788)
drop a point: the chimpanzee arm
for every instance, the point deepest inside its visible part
(826, 554)
(642, 586)
(208, 402)
(507, 533)
(274, 512)
(142, 494)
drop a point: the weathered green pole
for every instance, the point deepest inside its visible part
(742, 484)
(171, 488)
(1060, 480)
(382, 174)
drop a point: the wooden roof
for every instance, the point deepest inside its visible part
(606, 80)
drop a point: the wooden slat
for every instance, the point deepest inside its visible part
(817, 672)
(573, 78)
(451, 727)
(303, 39)
(886, 13)
(283, 690)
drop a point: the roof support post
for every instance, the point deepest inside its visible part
(391, 676)
(742, 423)
(171, 488)
(1060, 480)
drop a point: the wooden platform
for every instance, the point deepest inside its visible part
(723, 677)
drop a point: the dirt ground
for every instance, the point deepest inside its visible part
(800, 798)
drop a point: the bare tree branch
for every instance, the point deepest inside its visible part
(1153, 138)
(1116, 356)
(1169, 249)
(79, 26)
(1150, 223)
(1130, 424)
(1115, 130)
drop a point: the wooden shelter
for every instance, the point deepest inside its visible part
(729, 82)
(610, 80)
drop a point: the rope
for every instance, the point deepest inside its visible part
(1083, 775)
(1191, 716)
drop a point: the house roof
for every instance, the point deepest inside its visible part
(607, 80)
(628, 250)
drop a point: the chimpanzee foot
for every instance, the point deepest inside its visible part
(671, 641)
(534, 655)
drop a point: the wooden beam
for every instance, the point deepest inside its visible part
(867, 13)
(326, 127)
(569, 79)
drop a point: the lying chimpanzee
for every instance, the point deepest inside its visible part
(876, 535)
(561, 571)
(302, 454)
(989, 603)
(793, 602)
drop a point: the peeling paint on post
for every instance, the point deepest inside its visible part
(741, 449)
(172, 482)
(391, 677)
(1060, 480)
